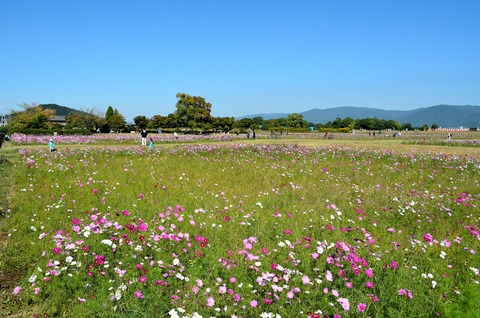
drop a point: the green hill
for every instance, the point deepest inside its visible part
(59, 110)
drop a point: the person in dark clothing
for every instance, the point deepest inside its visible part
(144, 135)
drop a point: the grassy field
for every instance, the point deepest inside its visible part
(230, 227)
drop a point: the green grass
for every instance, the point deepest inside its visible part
(293, 201)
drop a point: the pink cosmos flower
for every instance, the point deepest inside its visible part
(361, 307)
(427, 237)
(345, 303)
(369, 285)
(222, 289)
(16, 290)
(253, 303)
(99, 260)
(329, 276)
(306, 280)
(142, 227)
(210, 301)
(139, 294)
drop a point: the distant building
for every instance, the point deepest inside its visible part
(58, 120)
(3, 120)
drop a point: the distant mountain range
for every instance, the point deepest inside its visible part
(447, 116)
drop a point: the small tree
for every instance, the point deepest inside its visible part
(141, 121)
(32, 116)
(116, 122)
(296, 120)
(85, 120)
(434, 126)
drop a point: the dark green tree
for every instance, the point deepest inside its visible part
(141, 121)
(159, 121)
(193, 112)
(243, 123)
(85, 120)
(116, 122)
(223, 124)
(296, 120)
(110, 112)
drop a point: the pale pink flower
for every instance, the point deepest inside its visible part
(210, 301)
(329, 276)
(16, 290)
(345, 303)
(306, 280)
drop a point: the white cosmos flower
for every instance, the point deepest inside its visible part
(107, 242)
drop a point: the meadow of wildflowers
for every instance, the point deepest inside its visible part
(244, 231)
(22, 139)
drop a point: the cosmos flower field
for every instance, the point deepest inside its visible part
(245, 231)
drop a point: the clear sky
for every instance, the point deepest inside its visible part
(244, 57)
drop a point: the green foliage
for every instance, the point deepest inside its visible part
(296, 120)
(83, 120)
(193, 112)
(110, 112)
(141, 121)
(32, 116)
(114, 120)
(223, 124)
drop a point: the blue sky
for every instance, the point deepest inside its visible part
(244, 57)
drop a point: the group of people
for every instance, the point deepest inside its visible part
(144, 135)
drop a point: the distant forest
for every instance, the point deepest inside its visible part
(193, 114)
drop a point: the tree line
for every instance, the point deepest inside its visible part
(192, 114)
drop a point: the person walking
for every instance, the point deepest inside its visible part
(51, 145)
(144, 135)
